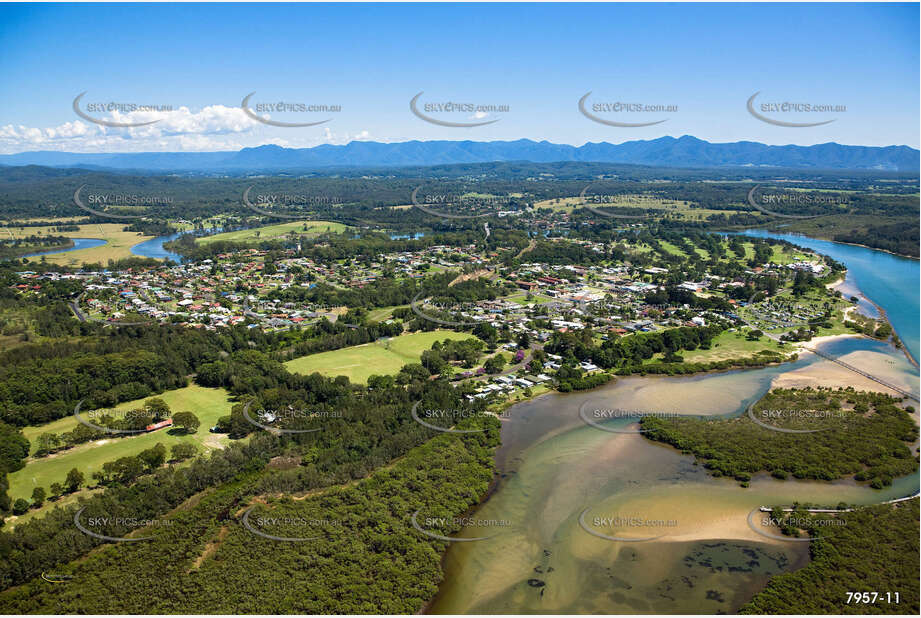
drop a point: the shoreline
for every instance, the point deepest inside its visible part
(882, 312)
(728, 526)
(882, 316)
(838, 242)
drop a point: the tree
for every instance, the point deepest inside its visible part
(187, 421)
(157, 407)
(20, 506)
(494, 364)
(486, 332)
(183, 451)
(524, 340)
(123, 470)
(73, 481)
(154, 456)
(434, 362)
(413, 372)
(56, 490)
(38, 497)
(14, 447)
(46, 443)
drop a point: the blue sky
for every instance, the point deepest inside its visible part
(537, 59)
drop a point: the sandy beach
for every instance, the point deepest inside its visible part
(893, 368)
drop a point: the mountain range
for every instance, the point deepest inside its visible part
(686, 151)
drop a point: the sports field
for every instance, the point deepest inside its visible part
(308, 228)
(208, 404)
(384, 357)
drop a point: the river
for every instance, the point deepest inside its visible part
(153, 248)
(552, 467)
(79, 243)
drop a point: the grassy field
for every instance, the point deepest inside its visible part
(788, 255)
(385, 357)
(309, 228)
(522, 299)
(383, 314)
(208, 404)
(679, 209)
(670, 248)
(118, 243)
(728, 346)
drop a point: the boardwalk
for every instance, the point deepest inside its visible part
(897, 389)
(767, 509)
(864, 374)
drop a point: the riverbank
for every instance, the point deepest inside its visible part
(742, 230)
(878, 358)
(552, 466)
(887, 281)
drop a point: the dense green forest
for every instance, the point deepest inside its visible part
(859, 434)
(887, 219)
(876, 551)
(368, 558)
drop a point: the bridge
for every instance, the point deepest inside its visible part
(889, 385)
(850, 367)
(767, 509)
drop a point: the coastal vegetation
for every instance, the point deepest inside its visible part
(362, 526)
(874, 551)
(819, 434)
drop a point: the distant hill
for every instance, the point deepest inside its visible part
(686, 151)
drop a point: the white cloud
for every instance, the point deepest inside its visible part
(215, 127)
(38, 136)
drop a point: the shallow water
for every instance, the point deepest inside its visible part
(553, 466)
